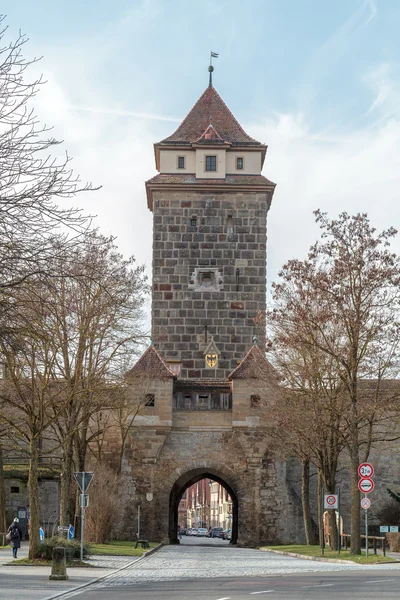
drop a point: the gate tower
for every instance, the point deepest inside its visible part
(210, 204)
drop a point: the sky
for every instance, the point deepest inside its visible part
(316, 80)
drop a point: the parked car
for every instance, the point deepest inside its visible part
(226, 534)
(193, 531)
(216, 532)
(201, 532)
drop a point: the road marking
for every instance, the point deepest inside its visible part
(379, 581)
(227, 598)
(263, 592)
(319, 585)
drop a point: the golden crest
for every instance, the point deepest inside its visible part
(211, 360)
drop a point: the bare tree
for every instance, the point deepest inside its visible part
(343, 301)
(95, 307)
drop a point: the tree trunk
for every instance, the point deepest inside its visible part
(66, 479)
(34, 504)
(305, 501)
(333, 532)
(320, 513)
(3, 524)
(355, 543)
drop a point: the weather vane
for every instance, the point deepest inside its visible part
(211, 68)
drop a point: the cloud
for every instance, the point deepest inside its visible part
(356, 171)
(123, 113)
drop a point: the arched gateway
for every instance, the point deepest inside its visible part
(184, 481)
(202, 379)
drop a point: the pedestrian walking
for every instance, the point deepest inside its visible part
(14, 536)
(180, 532)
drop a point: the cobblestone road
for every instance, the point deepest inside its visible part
(199, 562)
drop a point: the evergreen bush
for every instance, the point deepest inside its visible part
(72, 548)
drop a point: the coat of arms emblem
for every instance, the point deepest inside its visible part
(211, 354)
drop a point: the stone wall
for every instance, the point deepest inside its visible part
(236, 259)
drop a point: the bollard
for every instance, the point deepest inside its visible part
(58, 564)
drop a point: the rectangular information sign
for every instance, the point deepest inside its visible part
(384, 528)
(331, 501)
(394, 529)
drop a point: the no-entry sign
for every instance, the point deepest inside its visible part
(366, 485)
(331, 501)
(365, 470)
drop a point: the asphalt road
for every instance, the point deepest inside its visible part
(317, 586)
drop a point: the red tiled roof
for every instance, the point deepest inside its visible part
(190, 178)
(150, 363)
(210, 106)
(254, 366)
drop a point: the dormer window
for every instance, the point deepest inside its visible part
(211, 163)
(181, 162)
(239, 163)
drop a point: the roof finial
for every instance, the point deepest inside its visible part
(211, 68)
(255, 340)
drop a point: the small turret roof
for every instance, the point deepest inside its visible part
(210, 108)
(151, 364)
(254, 366)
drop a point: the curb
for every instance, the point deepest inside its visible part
(322, 559)
(65, 593)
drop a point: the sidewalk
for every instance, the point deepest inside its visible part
(32, 583)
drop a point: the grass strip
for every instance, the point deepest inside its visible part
(119, 548)
(344, 554)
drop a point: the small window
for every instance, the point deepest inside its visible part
(181, 162)
(211, 163)
(254, 401)
(239, 163)
(150, 400)
(14, 489)
(229, 224)
(193, 221)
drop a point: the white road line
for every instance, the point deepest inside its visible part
(227, 598)
(319, 585)
(379, 581)
(263, 592)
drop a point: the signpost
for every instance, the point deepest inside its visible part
(331, 502)
(83, 479)
(366, 485)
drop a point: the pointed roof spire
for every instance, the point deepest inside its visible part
(197, 121)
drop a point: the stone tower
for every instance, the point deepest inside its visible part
(200, 380)
(210, 205)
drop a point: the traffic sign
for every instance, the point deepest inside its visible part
(365, 470)
(83, 479)
(366, 485)
(41, 535)
(365, 503)
(331, 501)
(71, 532)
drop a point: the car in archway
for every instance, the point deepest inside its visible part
(215, 532)
(202, 532)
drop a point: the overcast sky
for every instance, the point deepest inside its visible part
(316, 80)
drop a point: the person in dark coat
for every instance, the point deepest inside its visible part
(16, 536)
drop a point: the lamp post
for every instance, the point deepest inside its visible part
(210, 483)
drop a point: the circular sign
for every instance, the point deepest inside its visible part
(365, 470)
(366, 485)
(365, 503)
(331, 500)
